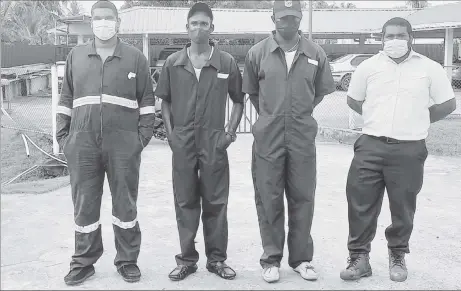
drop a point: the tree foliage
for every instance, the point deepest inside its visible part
(28, 21)
(417, 4)
(239, 4)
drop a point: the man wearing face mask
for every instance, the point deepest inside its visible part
(105, 118)
(393, 91)
(193, 85)
(286, 76)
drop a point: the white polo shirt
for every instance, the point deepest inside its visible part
(397, 97)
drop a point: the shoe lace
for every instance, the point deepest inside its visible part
(398, 260)
(352, 262)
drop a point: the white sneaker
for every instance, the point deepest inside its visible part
(271, 274)
(307, 271)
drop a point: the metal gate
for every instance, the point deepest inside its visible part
(249, 115)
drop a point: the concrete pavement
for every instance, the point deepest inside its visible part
(37, 231)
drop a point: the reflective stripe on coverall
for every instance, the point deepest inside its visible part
(105, 118)
(284, 153)
(198, 144)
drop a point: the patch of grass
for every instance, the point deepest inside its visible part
(14, 159)
(445, 137)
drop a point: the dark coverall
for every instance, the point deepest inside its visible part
(105, 119)
(284, 153)
(200, 162)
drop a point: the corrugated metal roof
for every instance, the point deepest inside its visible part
(449, 13)
(434, 18)
(159, 20)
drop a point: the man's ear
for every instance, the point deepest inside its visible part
(117, 26)
(273, 18)
(187, 26)
(211, 28)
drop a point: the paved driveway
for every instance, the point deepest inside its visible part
(37, 233)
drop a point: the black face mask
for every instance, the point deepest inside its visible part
(288, 30)
(199, 35)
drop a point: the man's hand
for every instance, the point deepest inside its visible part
(227, 140)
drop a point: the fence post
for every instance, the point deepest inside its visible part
(54, 105)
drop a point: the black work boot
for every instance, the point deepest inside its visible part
(397, 267)
(78, 275)
(359, 266)
(130, 273)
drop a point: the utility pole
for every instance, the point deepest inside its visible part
(310, 19)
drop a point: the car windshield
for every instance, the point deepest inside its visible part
(342, 59)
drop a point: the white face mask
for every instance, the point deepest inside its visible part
(104, 29)
(395, 48)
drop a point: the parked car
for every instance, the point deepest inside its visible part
(165, 53)
(456, 77)
(343, 67)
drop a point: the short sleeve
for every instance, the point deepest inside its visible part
(358, 84)
(235, 83)
(440, 88)
(250, 75)
(324, 83)
(163, 90)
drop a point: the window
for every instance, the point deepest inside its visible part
(358, 60)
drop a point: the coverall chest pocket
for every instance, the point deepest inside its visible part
(126, 82)
(303, 77)
(221, 83)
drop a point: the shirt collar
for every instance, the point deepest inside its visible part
(215, 59)
(117, 52)
(303, 47)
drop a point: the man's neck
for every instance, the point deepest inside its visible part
(200, 48)
(286, 44)
(106, 45)
(401, 59)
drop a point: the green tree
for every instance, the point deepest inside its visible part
(417, 4)
(28, 21)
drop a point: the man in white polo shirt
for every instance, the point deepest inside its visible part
(393, 91)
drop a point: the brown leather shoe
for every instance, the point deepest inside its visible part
(181, 272)
(358, 267)
(397, 268)
(222, 270)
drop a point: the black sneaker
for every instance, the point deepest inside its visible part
(130, 273)
(181, 272)
(78, 275)
(358, 267)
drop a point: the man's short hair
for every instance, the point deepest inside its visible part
(398, 21)
(104, 4)
(200, 7)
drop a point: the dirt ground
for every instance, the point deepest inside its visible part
(37, 232)
(14, 159)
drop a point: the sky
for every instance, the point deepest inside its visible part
(360, 4)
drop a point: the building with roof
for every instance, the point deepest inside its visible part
(153, 28)
(152, 25)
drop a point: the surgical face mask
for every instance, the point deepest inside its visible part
(104, 29)
(395, 48)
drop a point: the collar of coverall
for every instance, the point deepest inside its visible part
(92, 49)
(304, 45)
(214, 61)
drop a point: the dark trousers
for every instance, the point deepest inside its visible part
(198, 180)
(293, 172)
(89, 160)
(380, 164)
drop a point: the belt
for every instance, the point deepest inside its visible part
(391, 140)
